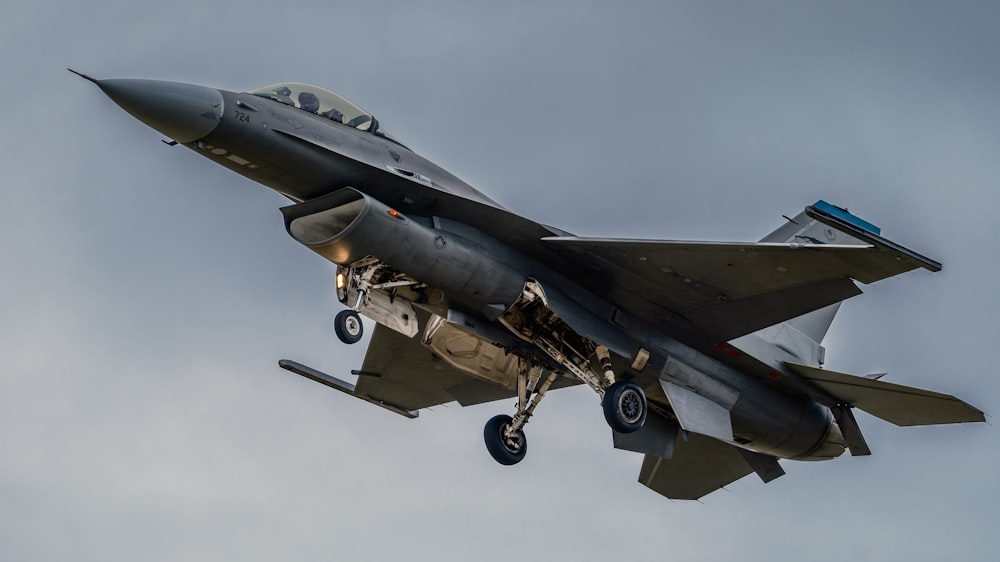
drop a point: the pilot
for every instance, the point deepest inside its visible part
(309, 102)
(284, 95)
(332, 113)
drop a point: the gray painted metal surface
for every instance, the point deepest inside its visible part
(476, 303)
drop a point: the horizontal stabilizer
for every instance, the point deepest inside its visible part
(894, 403)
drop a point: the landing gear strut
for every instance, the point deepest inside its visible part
(384, 295)
(531, 319)
(504, 435)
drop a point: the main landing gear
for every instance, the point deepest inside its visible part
(624, 404)
(531, 319)
(504, 435)
(507, 447)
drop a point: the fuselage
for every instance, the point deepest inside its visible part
(305, 155)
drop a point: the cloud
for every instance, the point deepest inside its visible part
(148, 294)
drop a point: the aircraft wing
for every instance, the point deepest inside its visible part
(401, 372)
(732, 289)
(699, 465)
(401, 375)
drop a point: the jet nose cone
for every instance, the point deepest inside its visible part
(183, 112)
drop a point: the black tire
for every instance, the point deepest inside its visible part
(625, 407)
(504, 451)
(348, 326)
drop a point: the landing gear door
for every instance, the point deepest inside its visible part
(397, 314)
(356, 290)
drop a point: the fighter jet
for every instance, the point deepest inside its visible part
(707, 357)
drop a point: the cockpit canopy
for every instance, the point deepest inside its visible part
(323, 102)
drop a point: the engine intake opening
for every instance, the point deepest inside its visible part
(325, 226)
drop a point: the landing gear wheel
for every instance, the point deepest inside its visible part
(506, 451)
(625, 406)
(348, 326)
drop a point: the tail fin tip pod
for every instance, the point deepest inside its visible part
(823, 223)
(804, 228)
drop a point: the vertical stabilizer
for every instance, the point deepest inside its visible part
(802, 336)
(817, 323)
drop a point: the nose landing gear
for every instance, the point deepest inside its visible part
(348, 326)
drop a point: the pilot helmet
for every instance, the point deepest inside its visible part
(309, 102)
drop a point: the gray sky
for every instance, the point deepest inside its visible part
(147, 294)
